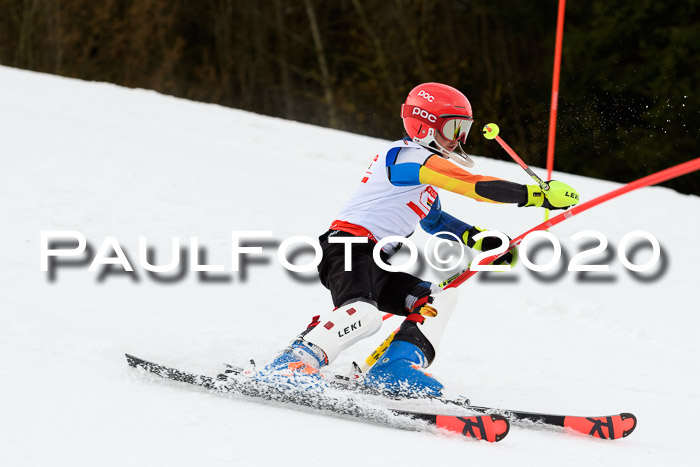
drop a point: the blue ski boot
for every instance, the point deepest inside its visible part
(400, 372)
(296, 367)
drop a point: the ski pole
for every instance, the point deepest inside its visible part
(491, 131)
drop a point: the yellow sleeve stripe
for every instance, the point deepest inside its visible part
(431, 177)
(444, 174)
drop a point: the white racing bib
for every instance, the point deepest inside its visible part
(385, 209)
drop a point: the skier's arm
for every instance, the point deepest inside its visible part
(440, 173)
(438, 221)
(443, 174)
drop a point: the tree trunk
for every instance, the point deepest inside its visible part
(325, 75)
(284, 66)
(389, 85)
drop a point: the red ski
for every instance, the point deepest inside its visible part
(605, 427)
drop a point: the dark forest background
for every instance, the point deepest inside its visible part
(628, 102)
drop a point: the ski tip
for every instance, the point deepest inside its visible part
(492, 428)
(608, 427)
(503, 426)
(132, 361)
(629, 422)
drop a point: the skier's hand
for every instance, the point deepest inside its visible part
(489, 243)
(421, 295)
(559, 196)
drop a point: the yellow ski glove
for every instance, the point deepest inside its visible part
(559, 196)
(489, 243)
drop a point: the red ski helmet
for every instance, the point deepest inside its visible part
(435, 107)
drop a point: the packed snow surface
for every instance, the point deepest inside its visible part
(113, 162)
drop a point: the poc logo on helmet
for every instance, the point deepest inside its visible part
(424, 114)
(426, 96)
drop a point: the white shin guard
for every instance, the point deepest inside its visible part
(345, 326)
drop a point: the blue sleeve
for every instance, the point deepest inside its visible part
(438, 220)
(404, 174)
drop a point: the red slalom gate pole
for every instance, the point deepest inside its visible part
(555, 89)
(555, 94)
(653, 179)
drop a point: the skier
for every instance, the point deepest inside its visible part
(398, 192)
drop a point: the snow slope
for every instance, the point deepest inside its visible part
(110, 161)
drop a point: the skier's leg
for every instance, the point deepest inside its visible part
(356, 315)
(427, 333)
(414, 347)
(342, 328)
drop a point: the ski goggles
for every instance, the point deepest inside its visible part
(455, 127)
(451, 127)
